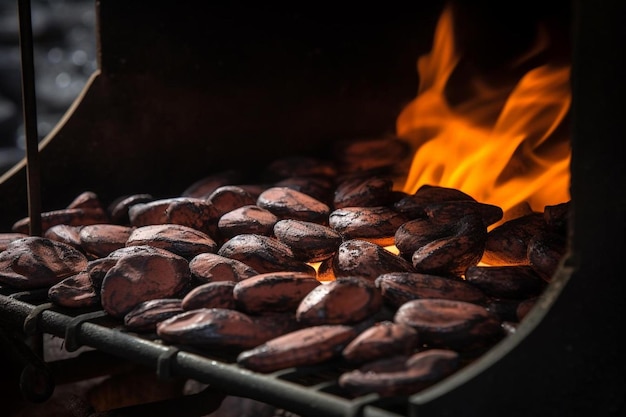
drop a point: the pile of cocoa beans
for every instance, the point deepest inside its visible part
(322, 260)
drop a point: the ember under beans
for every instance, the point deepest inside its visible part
(312, 260)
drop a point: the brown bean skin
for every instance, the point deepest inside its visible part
(399, 287)
(414, 205)
(508, 281)
(263, 254)
(181, 240)
(220, 328)
(365, 259)
(145, 316)
(320, 188)
(216, 294)
(453, 254)
(370, 154)
(203, 187)
(86, 200)
(373, 224)
(287, 203)
(363, 192)
(450, 212)
(546, 251)
(400, 375)
(37, 262)
(273, 291)
(76, 291)
(102, 239)
(310, 242)
(307, 346)
(6, 238)
(118, 209)
(142, 277)
(250, 219)
(228, 198)
(413, 234)
(194, 213)
(346, 300)
(69, 216)
(211, 267)
(66, 234)
(383, 339)
(507, 244)
(457, 325)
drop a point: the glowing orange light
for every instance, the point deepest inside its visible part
(501, 146)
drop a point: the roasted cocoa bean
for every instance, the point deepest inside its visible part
(457, 325)
(373, 224)
(347, 300)
(363, 192)
(546, 251)
(37, 262)
(368, 260)
(273, 292)
(507, 244)
(399, 287)
(66, 234)
(223, 328)
(7, 238)
(320, 188)
(414, 205)
(557, 216)
(416, 373)
(450, 212)
(140, 277)
(216, 294)
(176, 238)
(98, 268)
(100, 240)
(287, 203)
(69, 216)
(118, 209)
(309, 242)
(249, 219)
(76, 291)
(308, 346)
(206, 185)
(211, 267)
(383, 339)
(453, 255)
(145, 316)
(194, 213)
(228, 198)
(263, 254)
(86, 200)
(371, 154)
(414, 234)
(508, 281)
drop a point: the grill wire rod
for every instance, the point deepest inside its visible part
(174, 361)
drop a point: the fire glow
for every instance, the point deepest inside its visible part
(497, 146)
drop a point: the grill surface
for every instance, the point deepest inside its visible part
(310, 391)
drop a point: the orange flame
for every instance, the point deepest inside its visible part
(512, 160)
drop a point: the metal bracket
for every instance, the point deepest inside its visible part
(71, 332)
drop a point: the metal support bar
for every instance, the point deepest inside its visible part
(225, 377)
(29, 103)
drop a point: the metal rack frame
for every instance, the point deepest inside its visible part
(280, 388)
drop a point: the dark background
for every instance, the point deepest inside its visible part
(65, 56)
